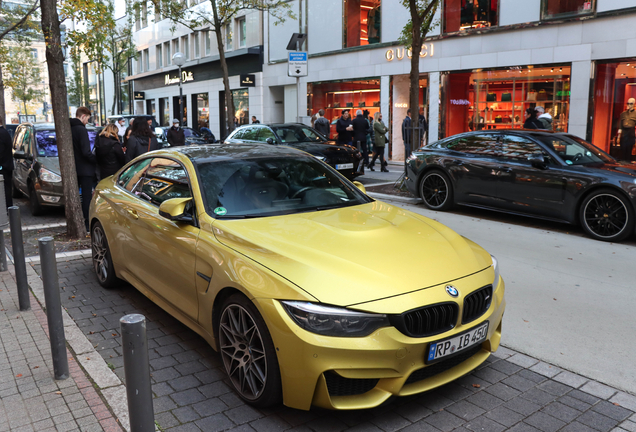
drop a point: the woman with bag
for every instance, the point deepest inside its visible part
(108, 152)
(141, 140)
(379, 131)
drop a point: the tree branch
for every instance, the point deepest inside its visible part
(36, 6)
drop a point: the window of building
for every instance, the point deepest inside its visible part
(362, 22)
(144, 15)
(566, 8)
(159, 56)
(168, 56)
(242, 32)
(494, 99)
(203, 110)
(185, 46)
(196, 41)
(158, 16)
(175, 46)
(207, 36)
(228, 37)
(462, 15)
(139, 62)
(146, 59)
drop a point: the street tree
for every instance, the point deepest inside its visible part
(422, 14)
(18, 21)
(24, 77)
(223, 13)
(55, 61)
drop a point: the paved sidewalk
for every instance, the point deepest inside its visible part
(30, 398)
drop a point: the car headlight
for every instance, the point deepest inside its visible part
(49, 176)
(495, 265)
(334, 321)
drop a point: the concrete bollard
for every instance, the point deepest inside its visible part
(18, 258)
(53, 307)
(137, 372)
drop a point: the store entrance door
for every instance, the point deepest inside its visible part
(177, 110)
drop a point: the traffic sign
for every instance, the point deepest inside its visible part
(297, 64)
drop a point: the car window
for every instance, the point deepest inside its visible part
(518, 148)
(295, 134)
(164, 179)
(237, 135)
(250, 133)
(478, 144)
(17, 142)
(130, 179)
(264, 134)
(575, 151)
(46, 141)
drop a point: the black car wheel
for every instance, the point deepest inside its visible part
(102, 262)
(248, 352)
(37, 209)
(436, 191)
(606, 215)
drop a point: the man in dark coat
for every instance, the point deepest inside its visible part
(85, 162)
(6, 163)
(423, 126)
(360, 131)
(344, 129)
(175, 135)
(407, 131)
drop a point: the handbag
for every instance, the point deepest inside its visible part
(498, 119)
(363, 104)
(491, 97)
(532, 95)
(506, 97)
(336, 104)
(542, 96)
(376, 103)
(349, 104)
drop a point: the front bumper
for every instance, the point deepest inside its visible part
(384, 364)
(50, 194)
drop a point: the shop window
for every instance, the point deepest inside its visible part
(462, 15)
(497, 98)
(362, 22)
(566, 8)
(164, 111)
(203, 111)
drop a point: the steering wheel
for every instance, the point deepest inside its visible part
(577, 157)
(301, 190)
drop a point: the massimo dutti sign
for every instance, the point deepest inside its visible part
(186, 76)
(248, 80)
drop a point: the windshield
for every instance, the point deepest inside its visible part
(266, 187)
(190, 132)
(575, 151)
(296, 134)
(47, 144)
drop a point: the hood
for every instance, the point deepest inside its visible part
(50, 163)
(76, 122)
(322, 149)
(355, 254)
(546, 116)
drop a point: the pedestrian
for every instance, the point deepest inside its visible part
(379, 133)
(255, 120)
(141, 140)
(84, 158)
(544, 117)
(108, 152)
(121, 128)
(531, 120)
(127, 133)
(407, 132)
(423, 125)
(322, 125)
(360, 131)
(370, 139)
(6, 163)
(627, 131)
(176, 135)
(344, 129)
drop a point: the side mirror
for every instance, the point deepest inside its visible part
(538, 161)
(19, 154)
(270, 141)
(174, 210)
(360, 186)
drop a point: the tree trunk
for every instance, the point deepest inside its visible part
(229, 100)
(55, 61)
(2, 107)
(414, 99)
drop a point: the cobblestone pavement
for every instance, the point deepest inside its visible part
(30, 398)
(510, 391)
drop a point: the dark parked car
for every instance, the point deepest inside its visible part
(37, 167)
(192, 137)
(546, 175)
(344, 159)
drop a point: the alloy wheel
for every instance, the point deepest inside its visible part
(606, 216)
(100, 254)
(434, 190)
(243, 351)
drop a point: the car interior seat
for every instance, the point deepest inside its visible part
(261, 189)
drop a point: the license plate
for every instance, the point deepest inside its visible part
(344, 166)
(445, 348)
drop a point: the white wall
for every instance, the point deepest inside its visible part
(324, 25)
(517, 11)
(394, 18)
(291, 104)
(607, 5)
(279, 35)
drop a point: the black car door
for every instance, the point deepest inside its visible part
(538, 190)
(471, 163)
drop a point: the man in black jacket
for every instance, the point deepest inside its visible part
(85, 162)
(344, 128)
(360, 131)
(6, 163)
(407, 131)
(175, 135)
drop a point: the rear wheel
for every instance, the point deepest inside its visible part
(37, 209)
(606, 215)
(436, 191)
(248, 352)
(102, 261)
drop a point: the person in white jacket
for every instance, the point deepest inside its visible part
(544, 117)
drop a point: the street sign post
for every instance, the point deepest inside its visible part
(297, 63)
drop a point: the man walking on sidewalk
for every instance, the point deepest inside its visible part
(85, 162)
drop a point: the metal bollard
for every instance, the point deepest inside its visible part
(53, 307)
(137, 372)
(18, 258)
(3, 253)
(4, 224)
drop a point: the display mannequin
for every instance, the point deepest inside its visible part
(627, 131)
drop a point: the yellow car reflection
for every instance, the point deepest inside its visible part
(312, 292)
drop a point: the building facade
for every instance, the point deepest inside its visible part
(484, 64)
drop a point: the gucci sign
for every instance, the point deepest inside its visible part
(398, 53)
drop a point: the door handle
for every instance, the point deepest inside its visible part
(505, 169)
(133, 213)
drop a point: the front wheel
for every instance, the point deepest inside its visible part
(605, 215)
(37, 209)
(436, 191)
(248, 353)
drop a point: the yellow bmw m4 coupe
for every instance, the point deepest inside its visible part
(313, 293)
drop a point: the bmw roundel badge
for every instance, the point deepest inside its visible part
(452, 291)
